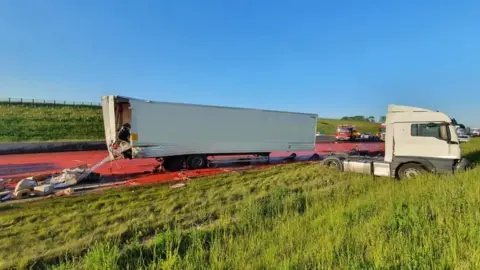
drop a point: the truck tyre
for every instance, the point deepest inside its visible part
(410, 170)
(173, 164)
(333, 162)
(197, 162)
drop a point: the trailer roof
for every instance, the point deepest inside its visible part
(126, 99)
(398, 113)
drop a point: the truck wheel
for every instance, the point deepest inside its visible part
(197, 162)
(410, 170)
(173, 164)
(333, 162)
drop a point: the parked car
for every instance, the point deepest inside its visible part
(464, 138)
(367, 136)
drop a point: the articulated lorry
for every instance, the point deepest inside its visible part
(416, 140)
(185, 135)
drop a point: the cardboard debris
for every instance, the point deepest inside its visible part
(45, 184)
(6, 197)
(73, 176)
(23, 193)
(27, 183)
(43, 189)
(178, 185)
(3, 185)
(41, 178)
(67, 191)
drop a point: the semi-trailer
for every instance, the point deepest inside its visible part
(416, 141)
(185, 135)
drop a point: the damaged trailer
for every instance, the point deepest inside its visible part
(185, 135)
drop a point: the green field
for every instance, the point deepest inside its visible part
(329, 126)
(294, 216)
(23, 123)
(19, 123)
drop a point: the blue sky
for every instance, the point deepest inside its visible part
(334, 58)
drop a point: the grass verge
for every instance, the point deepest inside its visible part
(292, 216)
(29, 122)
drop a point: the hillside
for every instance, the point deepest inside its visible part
(328, 126)
(50, 123)
(297, 216)
(20, 123)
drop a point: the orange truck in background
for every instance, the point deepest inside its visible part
(346, 133)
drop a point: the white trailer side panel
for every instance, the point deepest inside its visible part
(167, 129)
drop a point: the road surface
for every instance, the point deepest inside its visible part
(20, 166)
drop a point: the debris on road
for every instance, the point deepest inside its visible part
(43, 189)
(23, 193)
(178, 185)
(63, 192)
(43, 185)
(70, 177)
(3, 185)
(5, 195)
(25, 184)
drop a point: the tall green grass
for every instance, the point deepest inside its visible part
(291, 216)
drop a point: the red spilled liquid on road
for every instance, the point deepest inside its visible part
(138, 171)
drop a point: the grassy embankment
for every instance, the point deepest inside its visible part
(291, 216)
(21, 123)
(329, 126)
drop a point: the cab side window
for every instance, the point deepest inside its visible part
(438, 131)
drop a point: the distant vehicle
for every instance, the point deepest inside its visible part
(460, 130)
(318, 134)
(346, 133)
(367, 136)
(464, 138)
(476, 132)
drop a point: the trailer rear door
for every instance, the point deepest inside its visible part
(108, 109)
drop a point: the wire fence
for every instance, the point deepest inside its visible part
(47, 102)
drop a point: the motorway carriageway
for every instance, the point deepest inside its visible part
(138, 171)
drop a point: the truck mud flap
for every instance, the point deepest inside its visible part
(463, 165)
(290, 158)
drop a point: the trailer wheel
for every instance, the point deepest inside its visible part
(197, 162)
(410, 170)
(173, 164)
(333, 162)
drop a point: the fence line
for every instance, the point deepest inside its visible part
(46, 102)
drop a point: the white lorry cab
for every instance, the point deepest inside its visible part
(185, 135)
(416, 140)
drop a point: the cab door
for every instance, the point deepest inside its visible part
(429, 140)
